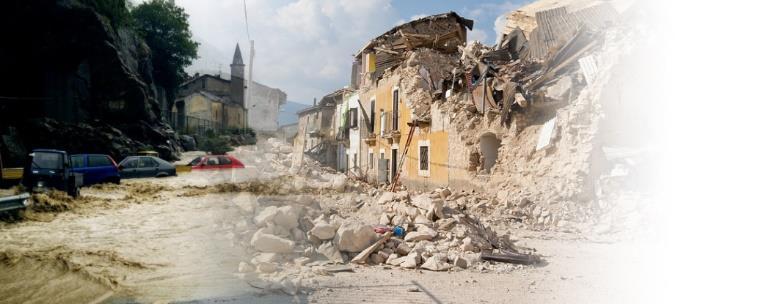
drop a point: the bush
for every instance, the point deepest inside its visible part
(214, 145)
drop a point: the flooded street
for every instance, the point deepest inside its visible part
(190, 239)
(171, 248)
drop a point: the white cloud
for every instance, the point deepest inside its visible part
(419, 16)
(477, 35)
(303, 47)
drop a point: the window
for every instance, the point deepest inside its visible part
(373, 116)
(355, 160)
(131, 163)
(382, 122)
(371, 160)
(147, 162)
(44, 160)
(395, 110)
(196, 161)
(225, 160)
(424, 158)
(212, 161)
(354, 118)
(99, 161)
(78, 161)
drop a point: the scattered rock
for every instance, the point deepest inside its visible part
(266, 268)
(436, 263)
(354, 237)
(244, 267)
(460, 262)
(328, 250)
(424, 234)
(271, 243)
(411, 261)
(403, 249)
(323, 231)
(385, 198)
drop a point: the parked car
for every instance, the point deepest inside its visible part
(145, 166)
(10, 202)
(211, 162)
(96, 168)
(47, 169)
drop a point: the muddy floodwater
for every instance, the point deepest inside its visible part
(143, 241)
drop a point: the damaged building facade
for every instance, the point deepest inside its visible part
(317, 137)
(431, 110)
(426, 110)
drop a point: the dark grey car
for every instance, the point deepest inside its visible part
(145, 166)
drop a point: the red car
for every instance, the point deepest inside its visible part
(210, 162)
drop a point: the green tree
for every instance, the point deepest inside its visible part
(164, 27)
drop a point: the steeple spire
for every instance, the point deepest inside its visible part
(237, 58)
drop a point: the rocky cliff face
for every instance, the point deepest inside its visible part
(74, 74)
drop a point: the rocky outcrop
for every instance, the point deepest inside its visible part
(74, 66)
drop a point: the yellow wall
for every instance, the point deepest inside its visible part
(438, 141)
(198, 106)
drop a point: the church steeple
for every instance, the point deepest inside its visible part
(237, 58)
(237, 79)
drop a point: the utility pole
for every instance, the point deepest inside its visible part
(248, 84)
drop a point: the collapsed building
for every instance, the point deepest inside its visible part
(506, 137)
(316, 137)
(427, 110)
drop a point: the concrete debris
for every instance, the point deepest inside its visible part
(354, 237)
(541, 114)
(328, 250)
(425, 234)
(323, 231)
(271, 243)
(436, 263)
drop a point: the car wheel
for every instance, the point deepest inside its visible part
(162, 175)
(74, 192)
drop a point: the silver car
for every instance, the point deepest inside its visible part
(145, 166)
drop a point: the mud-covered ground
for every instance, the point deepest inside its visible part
(176, 240)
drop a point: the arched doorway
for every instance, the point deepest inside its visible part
(489, 151)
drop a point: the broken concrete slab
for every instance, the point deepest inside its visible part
(323, 231)
(424, 234)
(328, 250)
(271, 243)
(436, 263)
(354, 237)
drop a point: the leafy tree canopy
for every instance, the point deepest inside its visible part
(164, 27)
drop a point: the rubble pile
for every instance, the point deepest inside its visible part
(423, 78)
(546, 113)
(294, 239)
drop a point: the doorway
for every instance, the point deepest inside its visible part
(489, 151)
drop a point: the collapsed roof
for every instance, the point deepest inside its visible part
(444, 33)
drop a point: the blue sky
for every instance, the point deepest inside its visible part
(305, 47)
(484, 13)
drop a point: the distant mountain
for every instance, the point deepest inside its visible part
(288, 111)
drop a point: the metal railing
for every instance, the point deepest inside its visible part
(194, 125)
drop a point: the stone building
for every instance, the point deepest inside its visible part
(318, 135)
(212, 102)
(263, 107)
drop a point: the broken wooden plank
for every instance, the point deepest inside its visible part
(514, 258)
(363, 256)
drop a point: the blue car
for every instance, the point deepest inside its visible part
(96, 168)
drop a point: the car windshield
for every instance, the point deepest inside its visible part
(196, 161)
(43, 160)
